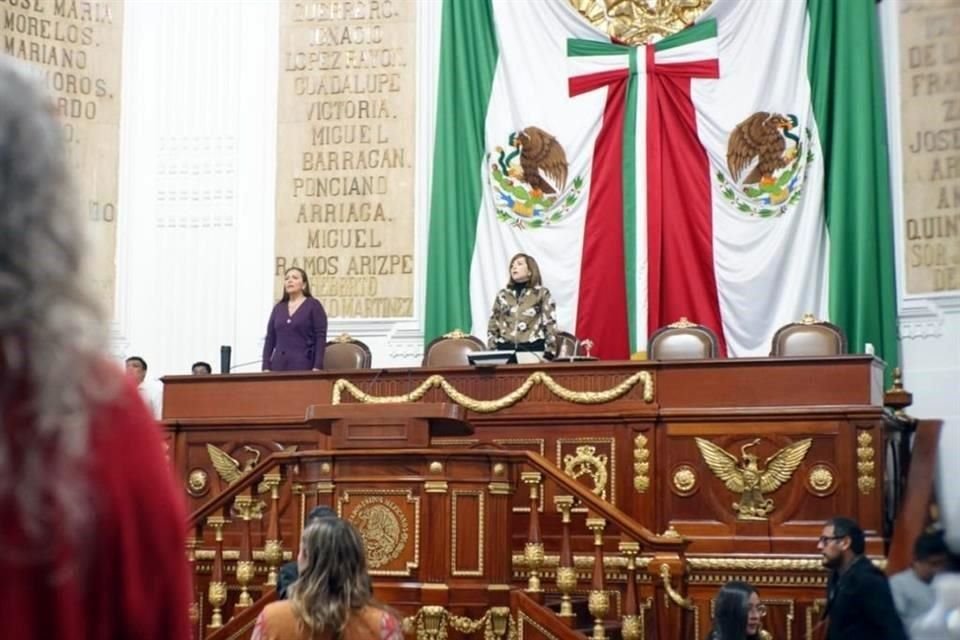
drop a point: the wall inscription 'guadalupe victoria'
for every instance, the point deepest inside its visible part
(75, 48)
(930, 108)
(345, 176)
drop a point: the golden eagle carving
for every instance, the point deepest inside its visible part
(230, 469)
(746, 478)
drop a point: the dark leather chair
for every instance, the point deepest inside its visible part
(809, 337)
(344, 353)
(682, 340)
(568, 345)
(451, 350)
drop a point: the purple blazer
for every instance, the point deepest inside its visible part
(297, 342)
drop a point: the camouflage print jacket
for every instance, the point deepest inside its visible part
(529, 318)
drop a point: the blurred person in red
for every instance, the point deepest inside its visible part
(92, 533)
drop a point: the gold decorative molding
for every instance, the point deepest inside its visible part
(639, 22)
(454, 531)
(682, 323)
(609, 466)
(820, 478)
(685, 479)
(671, 593)
(588, 462)
(641, 463)
(865, 464)
(343, 337)
(813, 609)
(584, 563)
(384, 527)
(754, 564)
(508, 400)
(456, 334)
(746, 478)
(430, 622)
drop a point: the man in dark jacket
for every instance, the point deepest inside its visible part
(289, 573)
(859, 603)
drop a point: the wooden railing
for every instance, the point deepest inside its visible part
(239, 539)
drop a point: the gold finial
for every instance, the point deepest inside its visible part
(456, 334)
(343, 337)
(682, 323)
(809, 318)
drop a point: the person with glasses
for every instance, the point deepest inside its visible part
(738, 613)
(859, 603)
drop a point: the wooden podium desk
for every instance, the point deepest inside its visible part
(638, 453)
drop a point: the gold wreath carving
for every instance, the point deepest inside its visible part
(820, 478)
(685, 479)
(865, 465)
(641, 464)
(640, 21)
(490, 406)
(383, 527)
(588, 462)
(746, 478)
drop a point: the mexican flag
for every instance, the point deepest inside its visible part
(733, 173)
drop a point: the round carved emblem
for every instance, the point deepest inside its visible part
(197, 482)
(820, 478)
(383, 527)
(684, 479)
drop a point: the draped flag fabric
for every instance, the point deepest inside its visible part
(733, 173)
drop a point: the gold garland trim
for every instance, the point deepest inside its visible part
(490, 406)
(431, 622)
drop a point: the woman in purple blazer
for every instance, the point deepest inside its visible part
(297, 329)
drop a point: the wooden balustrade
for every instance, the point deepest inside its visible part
(253, 512)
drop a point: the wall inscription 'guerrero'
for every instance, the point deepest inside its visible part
(345, 176)
(75, 48)
(930, 108)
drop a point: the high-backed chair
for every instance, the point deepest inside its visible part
(568, 346)
(451, 349)
(343, 353)
(682, 340)
(809, 337)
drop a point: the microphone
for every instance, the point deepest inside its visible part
(373, 381)
(576, 349)
(225, 351)
(245, 364)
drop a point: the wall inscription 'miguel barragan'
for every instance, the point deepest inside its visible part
(75, 47)
(345, 176)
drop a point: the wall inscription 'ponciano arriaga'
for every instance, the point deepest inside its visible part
(75, 48)
(345, 175)
(930, 107)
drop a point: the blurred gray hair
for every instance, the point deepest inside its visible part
(52, 328)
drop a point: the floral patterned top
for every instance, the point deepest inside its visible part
(278, 622)
(523, 319)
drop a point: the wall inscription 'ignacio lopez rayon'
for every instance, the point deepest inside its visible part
(345, 154)
(75, 47)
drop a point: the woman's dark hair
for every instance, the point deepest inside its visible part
(731, 611)
(306, 284)
(532, 266)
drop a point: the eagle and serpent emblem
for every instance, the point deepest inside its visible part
(767, 163)
(230, 469)
(748, 479)
(529, 180)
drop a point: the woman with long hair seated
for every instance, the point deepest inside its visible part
(332, 599)
(738, 613)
